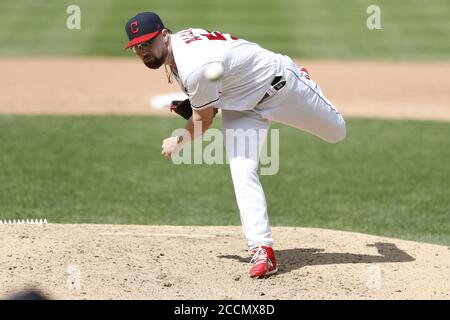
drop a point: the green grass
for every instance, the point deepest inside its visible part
(318, 29)
(388, 178)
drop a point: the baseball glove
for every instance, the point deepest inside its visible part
(184, 109)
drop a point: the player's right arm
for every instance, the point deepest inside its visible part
(203, 94)
(197, 125)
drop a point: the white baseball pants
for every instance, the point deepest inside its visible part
(300, 104)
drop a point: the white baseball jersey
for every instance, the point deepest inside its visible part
(248, 73)
(248, 69)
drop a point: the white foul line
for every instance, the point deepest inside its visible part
(186, 235)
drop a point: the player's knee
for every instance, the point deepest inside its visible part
(338, 132)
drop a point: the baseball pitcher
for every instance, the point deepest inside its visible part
(253, 87)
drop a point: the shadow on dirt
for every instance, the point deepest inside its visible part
(292, 259)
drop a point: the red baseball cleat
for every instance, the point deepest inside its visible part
(264, 262)
(303, 69)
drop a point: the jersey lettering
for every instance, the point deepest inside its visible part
(188, 36)
(214, 36)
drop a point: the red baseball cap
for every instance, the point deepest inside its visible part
(143, 27)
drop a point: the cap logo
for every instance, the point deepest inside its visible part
(134, 27)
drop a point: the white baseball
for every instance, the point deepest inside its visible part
(214, 71)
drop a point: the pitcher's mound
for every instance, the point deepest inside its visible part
(172, 262)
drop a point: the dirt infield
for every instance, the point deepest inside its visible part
(124, 86)
(169, 262)
(162, 262)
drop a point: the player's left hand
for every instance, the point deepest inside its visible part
(169, 146)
